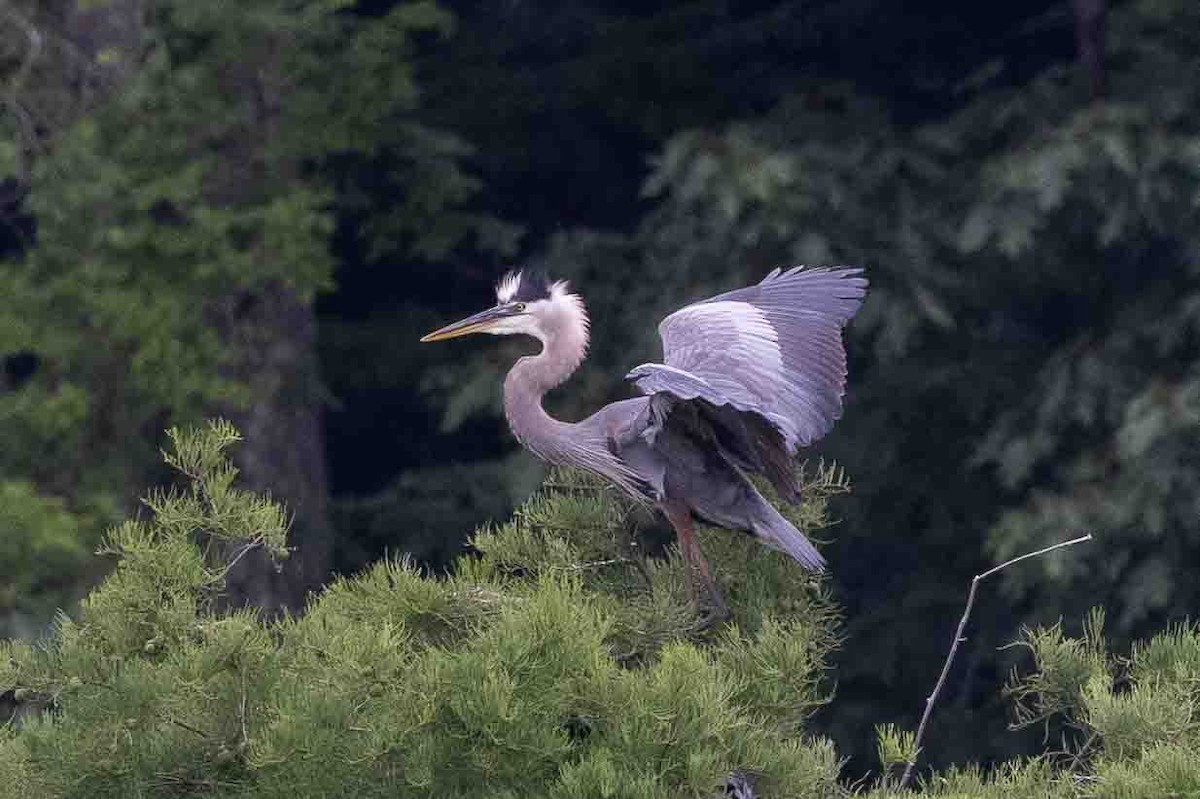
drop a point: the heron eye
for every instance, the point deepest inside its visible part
(520, 307)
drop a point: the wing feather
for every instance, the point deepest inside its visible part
(773, 351)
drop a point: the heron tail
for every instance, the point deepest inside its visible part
(778, 533)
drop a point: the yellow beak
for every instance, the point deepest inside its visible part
(478, 323)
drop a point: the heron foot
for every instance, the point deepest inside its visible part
(715, 612)
(707, 598)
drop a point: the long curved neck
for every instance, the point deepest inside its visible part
(564, 343)
(563, 349)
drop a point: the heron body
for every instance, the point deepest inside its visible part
(748, 377)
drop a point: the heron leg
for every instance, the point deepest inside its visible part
(680, 518)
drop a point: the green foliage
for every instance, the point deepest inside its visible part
(563, 660)
(1137, 718)
(143, 226)
(1163, 770)
(181, 176)
(895, 747)
(1066, 669)
(1031, 780)
(577, 528)
(1134, 720)
(42, 550)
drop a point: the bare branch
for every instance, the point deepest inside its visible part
(958, 639)
(595, 564)
(251, 545)
(1034, 554)
(188, 727)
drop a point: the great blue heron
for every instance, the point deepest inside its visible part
(747, 378)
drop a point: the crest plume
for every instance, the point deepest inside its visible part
(525, 285)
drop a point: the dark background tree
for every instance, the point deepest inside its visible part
(191, 210)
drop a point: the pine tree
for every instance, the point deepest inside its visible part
(1126, 727)
(563, 658)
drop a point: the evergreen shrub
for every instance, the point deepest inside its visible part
(561, 658)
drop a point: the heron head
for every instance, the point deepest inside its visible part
(526, 303)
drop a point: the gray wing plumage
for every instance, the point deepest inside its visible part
(748, 377)
(774, 349)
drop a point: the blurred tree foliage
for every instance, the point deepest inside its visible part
(183, 165)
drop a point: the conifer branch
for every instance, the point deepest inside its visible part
(188, 727)
(244, 743)
(596, 564)
(958, 639)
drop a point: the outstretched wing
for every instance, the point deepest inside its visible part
(763, 365)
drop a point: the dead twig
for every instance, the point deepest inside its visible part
(188, 727)
(242, 552)
(958, 639)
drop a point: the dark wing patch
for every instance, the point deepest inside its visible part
(746, 440)
(752, 443)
